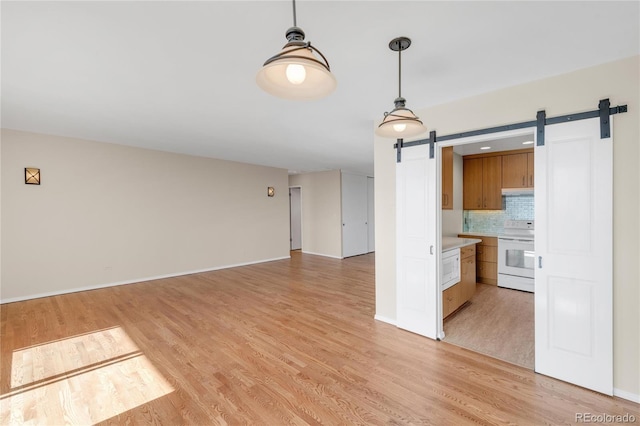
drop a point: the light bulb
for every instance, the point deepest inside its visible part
(296, 73)
(399, 127)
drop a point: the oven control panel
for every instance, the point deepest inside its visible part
(519, 224)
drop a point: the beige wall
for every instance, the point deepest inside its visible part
(574, 92)
(107, 213)
(321, 212)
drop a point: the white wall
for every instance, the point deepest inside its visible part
(107, 213)
(574, 92)
(321, 212)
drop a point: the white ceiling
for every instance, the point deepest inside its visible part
(180, 76)
(496, 145)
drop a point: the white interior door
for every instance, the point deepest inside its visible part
(295, 209)
(371, 240)
(416, 271)
(354, 215)
(573, 289)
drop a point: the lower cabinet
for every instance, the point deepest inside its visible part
(458, 294)
(451, 300)
(487, 259)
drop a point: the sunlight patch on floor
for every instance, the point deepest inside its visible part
(80, 380)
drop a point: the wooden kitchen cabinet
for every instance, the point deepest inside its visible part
(457, 295)
(482, 183)
(487, 272)
(514, 171)
(492, 183)
(447, 178)
(530, 169)
(486, 259)
(450, 300)
(517, 170)
(467, 272)
(472, 183)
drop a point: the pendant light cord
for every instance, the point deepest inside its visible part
(400, 73)
(295, 23)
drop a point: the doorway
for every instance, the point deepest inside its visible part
(295, 218)
(573, 290)
(489, 319)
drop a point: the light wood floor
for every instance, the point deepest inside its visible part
(286, 342)
(498, 322)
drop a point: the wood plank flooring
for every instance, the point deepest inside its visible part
(498, 322)
(285, 342)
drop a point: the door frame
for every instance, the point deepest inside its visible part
(301, 218)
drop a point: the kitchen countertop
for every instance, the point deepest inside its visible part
(450, 243)
(480, 234)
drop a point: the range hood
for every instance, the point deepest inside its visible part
(517, 191)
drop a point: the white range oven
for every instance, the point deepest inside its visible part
(516, 256)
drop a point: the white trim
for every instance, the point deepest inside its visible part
(384, 319)
(323, 255)
(138, 280)
(633, 397)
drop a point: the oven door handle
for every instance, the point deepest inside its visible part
(516, 239)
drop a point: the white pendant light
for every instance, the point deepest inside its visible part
(299, 71)
(401, 122)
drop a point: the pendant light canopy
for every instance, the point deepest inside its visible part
(401, 122)
(299, 71)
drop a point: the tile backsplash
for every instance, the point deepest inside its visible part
(514, 207)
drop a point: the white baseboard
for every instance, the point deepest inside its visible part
(321, 254)
(626, 395)
(384, 319)
(137, 280)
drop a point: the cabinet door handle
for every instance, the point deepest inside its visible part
(523, 180)
(539, 262)
(531, 180)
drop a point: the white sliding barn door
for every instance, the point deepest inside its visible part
(574, 271)
(416, 273)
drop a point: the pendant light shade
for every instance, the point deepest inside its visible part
(401, 122)
(299, 71)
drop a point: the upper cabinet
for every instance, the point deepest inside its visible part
(482, 183)
(472, 183)
(492, 183)
(530, 169)
(517, 170)
(447, 178)
(484, 176)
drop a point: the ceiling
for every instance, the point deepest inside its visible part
(180, 76)
(496, 145)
